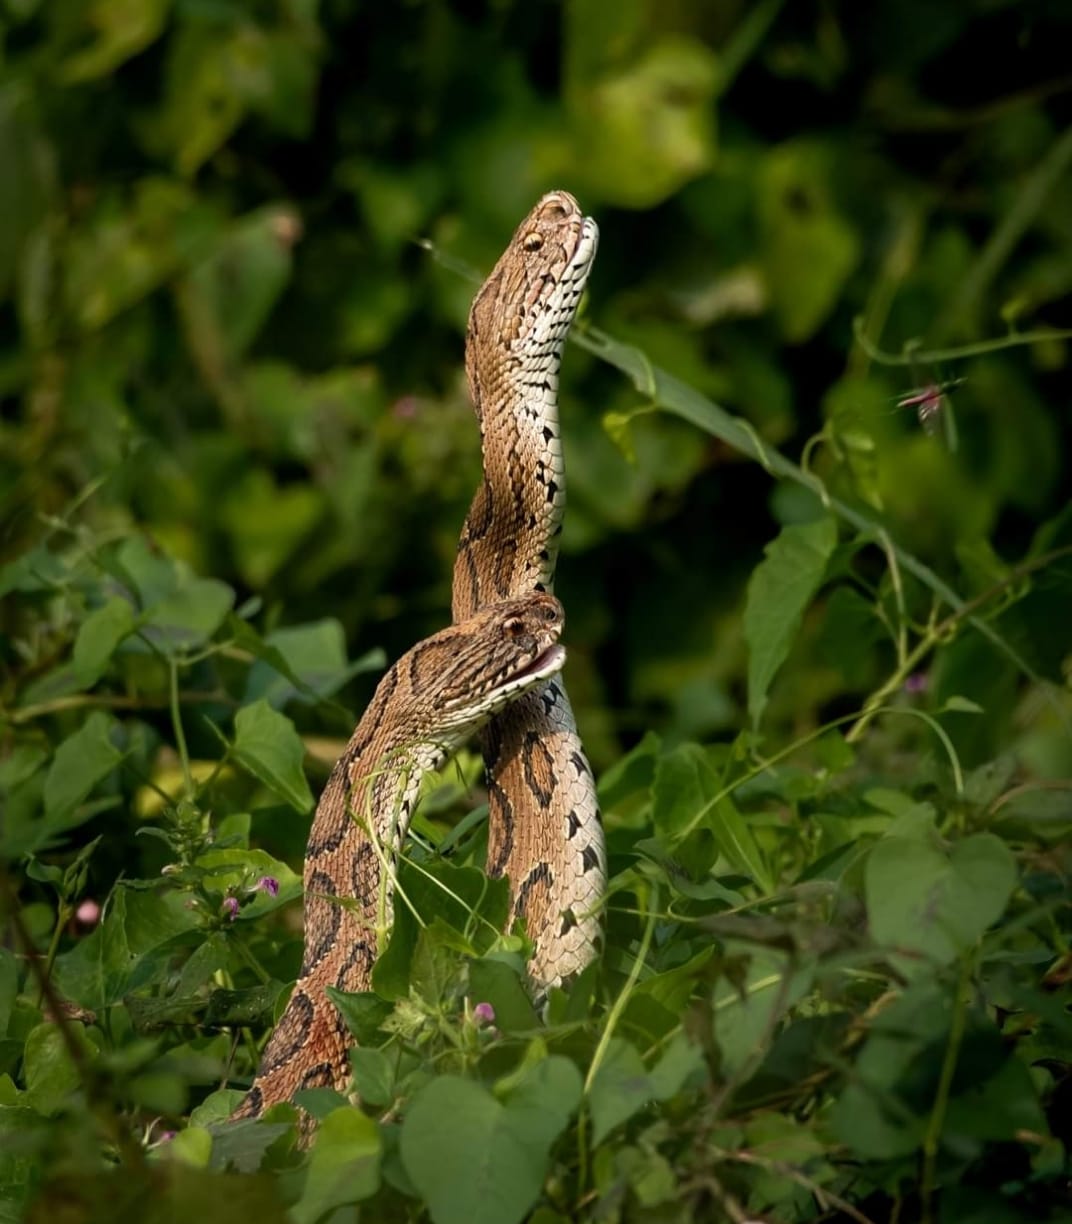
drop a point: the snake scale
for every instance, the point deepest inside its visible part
(494, 671)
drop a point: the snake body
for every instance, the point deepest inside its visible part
(430, 702)
(544, 827)
(495, 668)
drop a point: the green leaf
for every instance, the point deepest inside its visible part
(344, 1166)
(374, 1075)
(929, 906)
(747, 1013)
(315, 656)
(503, 1147)
(809, 250)
(98, 636)
(224, 869)
(781, 587)
(619, 1088)
(190, 615)
(138, 934)
(363, 1011)
(50, 1073)
(684, 797)
(268, 746)
(81, 761)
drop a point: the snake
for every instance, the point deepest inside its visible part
(434, 698)
(494, 673)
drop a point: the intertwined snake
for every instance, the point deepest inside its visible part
(499, 661)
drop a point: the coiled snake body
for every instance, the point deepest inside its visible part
(498, 661)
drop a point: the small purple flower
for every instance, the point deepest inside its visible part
(918, 682)
(230, 907)
(484, 1013)
(166, 1136)
(268, 884)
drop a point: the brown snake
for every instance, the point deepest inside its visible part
(428, 704)
(543, 819)
(497, 661)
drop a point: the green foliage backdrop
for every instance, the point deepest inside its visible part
(820, 654)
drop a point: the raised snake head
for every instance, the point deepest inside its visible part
(528, 302)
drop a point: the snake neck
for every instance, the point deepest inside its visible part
(509, 542)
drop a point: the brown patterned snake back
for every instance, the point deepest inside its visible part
(544, 828)
(429, 703)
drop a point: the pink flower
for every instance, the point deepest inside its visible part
(268, 884)
(230, 907)
(918, 682)
(484, 1013)
(88, 912)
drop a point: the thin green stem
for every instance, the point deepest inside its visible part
(941, 1097)
(64, 910)
(189, 790)
(914, 354)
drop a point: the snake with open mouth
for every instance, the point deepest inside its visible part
(495, 670)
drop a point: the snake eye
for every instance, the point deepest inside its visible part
(550, 613)
(514, 627)
(532, 242)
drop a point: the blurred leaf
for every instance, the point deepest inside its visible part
(81, 761)
(927, 906)
(454, 1123)
(780, 589)
(344, 1166)
(316, 655)
(268, 746)
(120, 29)
(809, 250)
(619, 1088)
(98, 636)
(266, 523)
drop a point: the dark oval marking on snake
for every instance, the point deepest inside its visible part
(362, 956)
(322, 919)
(541, 872)
(539, 768)
(320, 1076)
(290, 1034)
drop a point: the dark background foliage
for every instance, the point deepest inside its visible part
(237, 246)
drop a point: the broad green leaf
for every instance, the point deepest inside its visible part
(374, 1075)
(234, 289)
(747, 1013)
(781, 587)
(344, 1166)
(927, 906)
(268, 746)
(809, 250)
(266, 523)
(138, 934)
(314, 654)
(684, 796)
(99, 635)
(619, 1088)
(81, 761)
(363, 1012)
(647, 126)
(48, 1069)
(454, 1123)
(190, 615)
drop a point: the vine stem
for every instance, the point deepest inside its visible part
(611, 1023)
(936, 633)
(941, 1096)
(189, 790)
(914, 354)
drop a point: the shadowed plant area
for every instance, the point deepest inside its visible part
(816, 566)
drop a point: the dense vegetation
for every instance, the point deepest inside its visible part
(817, 568)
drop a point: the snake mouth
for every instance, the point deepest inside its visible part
(546, 663)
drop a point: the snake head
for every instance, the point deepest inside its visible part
(475, 667)
(529, 300)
